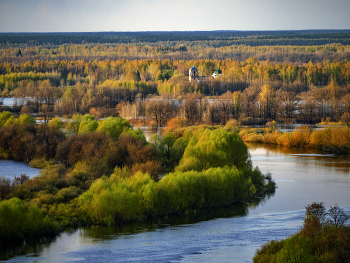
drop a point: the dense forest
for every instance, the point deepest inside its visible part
(219, 38)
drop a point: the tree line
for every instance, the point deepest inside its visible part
(178, 51)
(71, 72)
(330, 139)
(254, 38)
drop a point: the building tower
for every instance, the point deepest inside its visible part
(193, 74)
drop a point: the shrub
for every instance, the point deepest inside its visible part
(21, 222)
(215, 148)
(271, 137)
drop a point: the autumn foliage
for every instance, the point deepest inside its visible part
(332, 139)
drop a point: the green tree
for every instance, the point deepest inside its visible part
(114, 126)
(88, 124)
(216, 148)
(4, 116)
(19, 53)
(296, 249)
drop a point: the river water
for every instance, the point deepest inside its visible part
(222, 235)
(10, 168)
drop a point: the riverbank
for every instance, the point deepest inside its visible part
(330, 139)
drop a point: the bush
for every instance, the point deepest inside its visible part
(216, 148)
(114, 126)
(21, 222)
(271, 137)
(253, 137)
(267, 252)
(126, 197)
(40, 163)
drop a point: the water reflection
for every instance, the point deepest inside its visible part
(150, 130)
(305, 156)
(303, 176)
(98, 233)
(281, 149)
(32, 249)
(259, 201)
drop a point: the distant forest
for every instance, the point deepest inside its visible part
(217, 38)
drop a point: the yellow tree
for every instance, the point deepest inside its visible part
(267, 101)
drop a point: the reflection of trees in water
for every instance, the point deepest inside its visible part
(315, 157)
(341, 164)
(100, 233)
(260, 200)
(276, 148)
(112, 232)
(36, 247)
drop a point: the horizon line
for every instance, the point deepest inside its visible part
(160, 31)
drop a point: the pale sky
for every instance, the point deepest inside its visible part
(175, 15)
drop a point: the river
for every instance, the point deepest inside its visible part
(222, 235)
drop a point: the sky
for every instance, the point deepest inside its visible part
(175, 15)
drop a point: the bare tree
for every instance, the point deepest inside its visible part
(190, 107)
(225, 107)
(249, 99)
(337, 216)
(161, 109)
(5, 187)
(308, 110)
(287, 102)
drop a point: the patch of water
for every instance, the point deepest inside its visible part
(10, 168)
